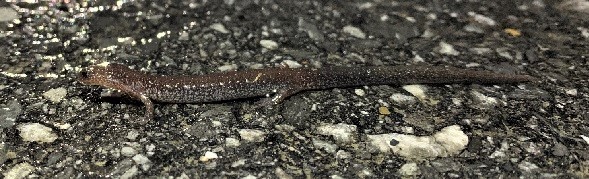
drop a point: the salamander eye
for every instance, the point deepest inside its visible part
(84, 74)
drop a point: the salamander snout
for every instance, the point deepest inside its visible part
(84, 76)
(106, 75)
(90, 76)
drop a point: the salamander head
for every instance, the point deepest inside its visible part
(108, 75)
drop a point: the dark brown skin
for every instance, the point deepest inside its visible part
(283, 82)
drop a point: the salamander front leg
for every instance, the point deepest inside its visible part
(280, 96)
(146, 101)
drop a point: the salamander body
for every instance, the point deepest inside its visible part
(282, 82)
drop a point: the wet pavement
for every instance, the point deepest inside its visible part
(52, 126)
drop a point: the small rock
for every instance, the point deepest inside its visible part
(472, 65)
(354, 31)
(55, 95)
(560, 150)
(574, 5)
(382, 142)
(8, 113)
(482, 19)
(572, 92)
(417, 91)
(328, 147)
(201, 129)
(500, 153)
(513, 32)
(229, 67)
(402, 99)
(54, 157)
(250, 176)
(7, 14)
(217, 124)
(132, 135)
(384, 110)
(336, 177)
(448, 141)
(140, 159)
(128, 151)
(232, 142)
(162, 34)
(483, 100)
(452, 139)
(238, 163)
(585, 138)
(184, 36)
(472, 27)
(143, 161)
(252, 135)
(408, 130)
(528, 166)
(269, 44)
(219, 28)
(208, 156)
(359, 92)
(281, 174)
(409, 169)
(292, 64)
(35, 132)
(130, 173)
(312, 30)
(341, 132)
(504, 52)
(584, 32)
(62, 126)
(480, 50)
(19, 171)
(418, 59)
(342, 154)
(447, 49)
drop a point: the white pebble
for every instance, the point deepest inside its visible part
(19, 171)
(482, 19)
(341, 132)
(448, 141)
(401, 98)
(140, 159)
(55, 95)
(447, 49)
(359, 92)
(128, 151)
(409, 169)
(219, 28)
(354, 31)
(269, 44)
(232, 142)
(485, 100)
(208, 156)
(292, 64)
(572, 92)
(416, 90)
(585, 138)
(35, 132)
(229, 67)
(252, 135)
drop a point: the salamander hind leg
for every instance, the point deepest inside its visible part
(148, 109)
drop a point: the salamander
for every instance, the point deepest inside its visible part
(282, 82)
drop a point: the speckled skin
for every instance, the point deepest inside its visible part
(282, 82)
